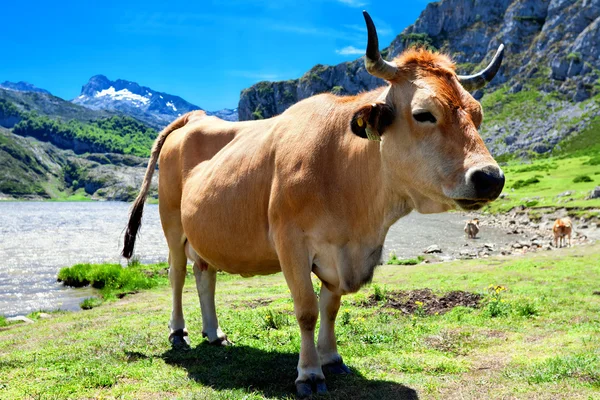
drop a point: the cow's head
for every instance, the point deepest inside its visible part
(428, 123)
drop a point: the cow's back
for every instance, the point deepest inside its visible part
(225, 197)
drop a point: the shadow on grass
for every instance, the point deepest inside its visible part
(272, 374)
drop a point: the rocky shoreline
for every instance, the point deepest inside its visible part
(523, 235)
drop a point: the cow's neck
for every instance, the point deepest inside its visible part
(391, 201)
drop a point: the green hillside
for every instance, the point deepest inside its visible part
(564, 178)
(58, 150)
(45, 104)
(116, 134)
(21, 170)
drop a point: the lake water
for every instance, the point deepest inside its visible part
(39, 238)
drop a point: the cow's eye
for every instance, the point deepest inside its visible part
(424, 116)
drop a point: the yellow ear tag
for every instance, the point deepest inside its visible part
(372, 135)
(360, 122)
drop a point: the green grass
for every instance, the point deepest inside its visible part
(501, 106)
(394, 260)
(586, 142)
(538, 184)
(113, 280)
(542, 343)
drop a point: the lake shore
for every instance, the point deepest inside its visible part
(66, 233)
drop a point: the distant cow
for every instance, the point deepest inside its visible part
(472, 228)
(315, 190)
(562, 227)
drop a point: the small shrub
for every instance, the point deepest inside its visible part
(374, 338)
(496, 305)
(522, 183)
(582, 178)
(576, 57)
(531, 203)
(384, 318)
(526, 308)
(107, 276)
(316, 288)
(379, 293)
(345, 319)
(274, 320)
(337, 90)
(593, 161)
(534, 216)
(419, 311)
(75, 276)
(90, 303)
(537, 167)
(3, 321)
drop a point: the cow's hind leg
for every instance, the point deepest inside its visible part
(206, 280)
(329, 305)
(177, 271)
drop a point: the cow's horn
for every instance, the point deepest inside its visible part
(480, 79)
(374, 63)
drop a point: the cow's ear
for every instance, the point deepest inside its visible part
(371, 121)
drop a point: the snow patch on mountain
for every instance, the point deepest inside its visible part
(123, 94)
(169, 104)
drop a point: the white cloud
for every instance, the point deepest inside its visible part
(383, 28)
(349, 50)
(265, 76)
(353, 3)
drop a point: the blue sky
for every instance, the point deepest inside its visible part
(205, 51)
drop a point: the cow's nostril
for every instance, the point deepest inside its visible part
(488, 182)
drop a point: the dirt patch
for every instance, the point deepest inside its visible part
(450, 341)
(256, 303)
(424, 300)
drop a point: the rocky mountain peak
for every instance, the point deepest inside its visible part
(552, 47)
(22, 87)
(155, 108)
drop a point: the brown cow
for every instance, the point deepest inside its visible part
(307, 192)
(562, 227)
(472, 228)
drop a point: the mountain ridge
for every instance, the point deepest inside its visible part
(22, 86)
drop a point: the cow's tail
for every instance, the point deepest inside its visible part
(135, 214)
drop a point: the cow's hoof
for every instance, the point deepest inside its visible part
(219, 341)
(336, 368)
(308, 387)
(179, 339)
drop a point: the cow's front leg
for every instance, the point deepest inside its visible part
(296, 270)
(331, 361)
(206, 281)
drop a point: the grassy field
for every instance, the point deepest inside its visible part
(538, 339)
(538, 184)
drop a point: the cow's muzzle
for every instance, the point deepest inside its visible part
(485, 184)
